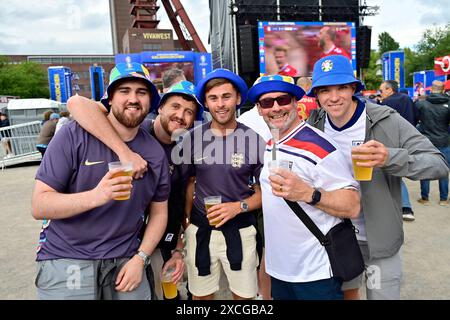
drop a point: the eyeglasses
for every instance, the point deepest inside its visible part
(281, 100)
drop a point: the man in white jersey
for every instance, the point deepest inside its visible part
(394, 149)
(319, 181)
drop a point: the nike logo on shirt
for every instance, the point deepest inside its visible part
(88, 163)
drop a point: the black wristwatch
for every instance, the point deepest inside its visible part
(315, 197)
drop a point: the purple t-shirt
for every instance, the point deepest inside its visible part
(225, 166)
(76, 161)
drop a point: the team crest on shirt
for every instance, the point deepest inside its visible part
(327, 65)
(237, 160)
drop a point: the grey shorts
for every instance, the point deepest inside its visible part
(382, 276)
(69, 279)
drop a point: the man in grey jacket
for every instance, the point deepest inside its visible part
(393, 148)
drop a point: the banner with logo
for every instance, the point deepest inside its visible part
(394, 67)
(60, 83)
(442, 65)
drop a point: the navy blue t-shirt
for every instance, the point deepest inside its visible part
(225, 166)
(76, 161)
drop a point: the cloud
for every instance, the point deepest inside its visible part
(432, 18)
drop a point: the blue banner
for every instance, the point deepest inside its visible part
(97, 85)
(60, 83)
(394, 67)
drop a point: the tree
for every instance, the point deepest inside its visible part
(371, 80)
(435, 42)
(26, 80)
(387, 43)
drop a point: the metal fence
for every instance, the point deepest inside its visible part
(22, 140)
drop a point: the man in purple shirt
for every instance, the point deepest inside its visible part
(226, 159)
(177, 111)
(89, 247)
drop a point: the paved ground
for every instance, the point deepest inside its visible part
(426, 253)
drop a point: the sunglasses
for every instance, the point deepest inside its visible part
(281, 100)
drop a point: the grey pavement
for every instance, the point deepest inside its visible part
(426, 252)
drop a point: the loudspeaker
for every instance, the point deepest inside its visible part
(340, 10)
(363, 39)
(96, 92)
(294, 10)
(250, 11)
(248, 49)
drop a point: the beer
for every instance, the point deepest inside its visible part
(209, 202)
(169, 289)
(168, 286)
(127, 170)
(207, 206)
(362, 173)
(128, 173)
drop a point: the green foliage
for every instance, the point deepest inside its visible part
(26, 80)
(435, 42)
(371, 80)
(387, 43)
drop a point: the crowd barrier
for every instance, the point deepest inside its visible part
(22, 139)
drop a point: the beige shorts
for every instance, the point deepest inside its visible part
(242, 282)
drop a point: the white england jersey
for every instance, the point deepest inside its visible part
(293, 254)
(351, 134)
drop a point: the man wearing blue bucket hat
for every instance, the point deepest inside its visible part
(316, 176)
(225, 158)
(375, 137)
(90, 246)
(178, 109)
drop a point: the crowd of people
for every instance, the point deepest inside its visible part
(299, 143)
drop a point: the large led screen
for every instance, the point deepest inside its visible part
(292, 48)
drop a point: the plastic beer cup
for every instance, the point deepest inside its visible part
(169, 287)
(209, 202)
(127, 170)
(361, 173)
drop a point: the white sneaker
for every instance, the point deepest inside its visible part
(408, 217)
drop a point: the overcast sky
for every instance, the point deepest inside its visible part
(83, 26)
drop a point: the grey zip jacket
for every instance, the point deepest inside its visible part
(411, 155)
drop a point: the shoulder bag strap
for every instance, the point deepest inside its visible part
(303, 216)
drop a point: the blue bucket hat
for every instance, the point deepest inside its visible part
(331, 71)
(131, 70)
(224, 74)
(274, 83)
(185, 88)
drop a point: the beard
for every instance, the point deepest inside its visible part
(126, 120)
(165, 123)
(292, 117)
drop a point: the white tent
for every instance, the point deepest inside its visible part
(21, 104)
